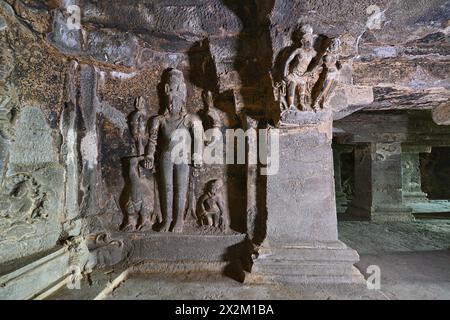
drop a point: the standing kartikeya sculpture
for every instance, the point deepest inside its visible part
(167, 130)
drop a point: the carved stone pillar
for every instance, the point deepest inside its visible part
(302, 243)
(341, 197)
(412, 182)
(378, 183)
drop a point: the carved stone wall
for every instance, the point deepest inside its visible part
(32, 178)
(67, 93)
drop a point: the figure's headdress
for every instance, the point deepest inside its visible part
(175, 78)
(335, 44)
(306, 29)
(217, 183)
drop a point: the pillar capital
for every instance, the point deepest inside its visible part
(409, 148)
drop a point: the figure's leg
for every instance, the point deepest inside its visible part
(167, 191)
(131, 218)
(291, 93)
(215, 217)
(140, 147)
(210, 220)
(302, 94)
(145, 223)
(225, 225)
(181, 182)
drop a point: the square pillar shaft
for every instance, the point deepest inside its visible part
(302, 240)
(341, 197)
(412, 182)
(378, 183)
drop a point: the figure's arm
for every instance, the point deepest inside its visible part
(198, 133)
(152, 141)
(208, 99)
(134, 126)
(216, 122)
(324, 94)
(201, 210)
(225, 219)
(134, 163)
(289, 60)
(221, 205)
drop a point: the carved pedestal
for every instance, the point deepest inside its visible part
(378, 183)
(173, 252)
(302, 240)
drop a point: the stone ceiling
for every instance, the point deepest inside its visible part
(400, 48)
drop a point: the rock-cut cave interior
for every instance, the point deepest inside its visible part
(224, 149)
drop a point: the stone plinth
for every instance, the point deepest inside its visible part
(302, 241)
(307, 262)
(378, 183)
(188, 248)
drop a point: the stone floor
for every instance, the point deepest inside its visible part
(413, 258)
(431, 207)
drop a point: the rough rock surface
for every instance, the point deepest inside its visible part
(79, 84)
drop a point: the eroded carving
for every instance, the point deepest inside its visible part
(297, 78)
(138, 126)
(308, 77)
(140, 207)
(210, 111)
(166, 130)
(210, 208)
(331, 73)
(21, 194)
(8, 102)
(104, 251)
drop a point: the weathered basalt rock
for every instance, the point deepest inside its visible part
(71, 139)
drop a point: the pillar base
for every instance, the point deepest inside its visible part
(319, 262)
(414, 197)
(383, 214)
(342, 202)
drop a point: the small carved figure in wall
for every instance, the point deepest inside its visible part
(332, 72)
(279, 91)
(168, 127)
(138, 126)
(140, 213)
(211, 209)
(210, 111)
(296, 75)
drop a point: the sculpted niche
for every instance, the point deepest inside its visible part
(211, 209)
(160, 148)
(308, 77)
(164, 179)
